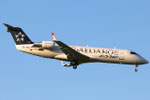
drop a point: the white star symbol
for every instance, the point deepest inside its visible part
(20, 37)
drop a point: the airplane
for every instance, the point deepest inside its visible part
(75, 55)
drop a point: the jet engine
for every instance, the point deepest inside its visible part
(47, 44)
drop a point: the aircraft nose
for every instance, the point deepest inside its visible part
(142, 60)
(145, 61)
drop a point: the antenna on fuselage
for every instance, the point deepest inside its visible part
(114, 46)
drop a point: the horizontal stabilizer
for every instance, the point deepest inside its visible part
(11, 28)
(18, 35)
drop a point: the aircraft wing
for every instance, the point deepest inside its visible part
(71, 53)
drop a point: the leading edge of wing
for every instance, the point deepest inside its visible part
(71, 53)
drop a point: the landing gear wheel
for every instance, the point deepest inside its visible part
(136, 68)
(74, 66)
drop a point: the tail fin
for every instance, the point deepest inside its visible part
(18, 35)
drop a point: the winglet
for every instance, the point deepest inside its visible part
(54, 38)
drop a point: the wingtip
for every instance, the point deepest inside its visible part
(52, 34)
(53, 37)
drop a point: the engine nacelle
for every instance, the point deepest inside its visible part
(47, 44)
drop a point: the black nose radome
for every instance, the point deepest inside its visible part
(146, 62)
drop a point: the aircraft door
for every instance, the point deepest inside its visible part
(122, 55)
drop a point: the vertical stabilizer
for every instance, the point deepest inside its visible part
(18, 35)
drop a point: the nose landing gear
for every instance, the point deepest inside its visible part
(136, 68)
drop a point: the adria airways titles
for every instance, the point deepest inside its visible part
(75, 55)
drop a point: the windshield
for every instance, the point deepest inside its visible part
(133, 53)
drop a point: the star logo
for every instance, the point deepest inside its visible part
(20, 37)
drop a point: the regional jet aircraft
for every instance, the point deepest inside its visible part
(75, 55)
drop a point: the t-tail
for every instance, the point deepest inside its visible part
(18, 35)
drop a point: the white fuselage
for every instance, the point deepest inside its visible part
(76, 55)
(99, 54)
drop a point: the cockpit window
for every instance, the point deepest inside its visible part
(133, 53)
